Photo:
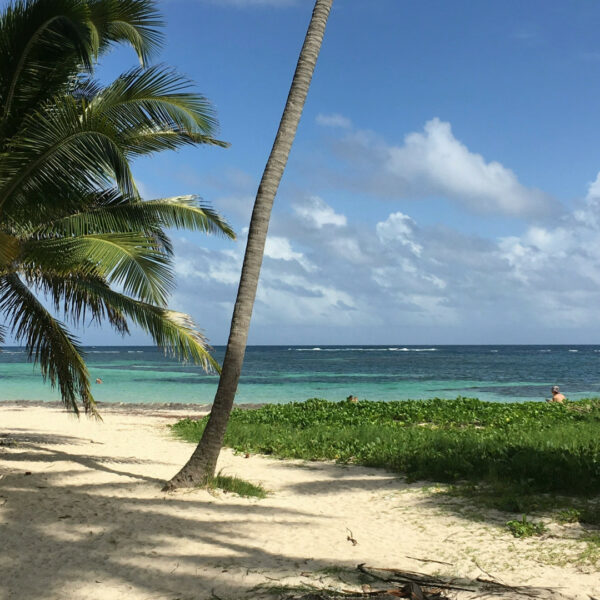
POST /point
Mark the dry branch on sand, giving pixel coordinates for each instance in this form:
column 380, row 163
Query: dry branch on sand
column 395, row 583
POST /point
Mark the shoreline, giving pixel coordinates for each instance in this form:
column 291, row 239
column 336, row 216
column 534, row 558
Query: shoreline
column 126, row 407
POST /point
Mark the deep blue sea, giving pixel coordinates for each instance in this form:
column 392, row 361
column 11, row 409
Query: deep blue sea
column 286, row 373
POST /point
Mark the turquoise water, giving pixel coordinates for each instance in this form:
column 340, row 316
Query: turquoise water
column 287, row 373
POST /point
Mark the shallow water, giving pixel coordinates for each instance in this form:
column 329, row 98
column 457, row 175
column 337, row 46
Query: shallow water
column 286, row 373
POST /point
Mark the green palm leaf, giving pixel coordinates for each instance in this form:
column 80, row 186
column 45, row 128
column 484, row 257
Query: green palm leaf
column 61, row 143
column 35, row 40
column 74, row 301
column 180, row 212
column 44, row 42
column 127, row 259
column 47, row 342
column 174, row 331
column 136, row 22
column 155, row 96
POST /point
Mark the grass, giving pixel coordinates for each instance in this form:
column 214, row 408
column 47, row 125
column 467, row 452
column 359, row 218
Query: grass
column 519, row 498
column 238, row 486
column 531, row 447
column 592, row 552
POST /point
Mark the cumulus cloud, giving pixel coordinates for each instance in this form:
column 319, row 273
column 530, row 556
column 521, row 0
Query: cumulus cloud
column 317, row 212
column 280, row 248
column 398, row 228
column 434, row 163
column 398, row 281
column 329, row 276
column 559, row 266
column 333, row 120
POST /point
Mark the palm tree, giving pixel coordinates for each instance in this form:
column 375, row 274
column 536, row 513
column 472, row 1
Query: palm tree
column 201, row 466
column 72, row 224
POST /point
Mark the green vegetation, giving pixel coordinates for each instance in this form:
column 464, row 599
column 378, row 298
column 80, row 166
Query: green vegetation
column 592, row 552
column 74, row 229
column 238, row 486
column 528, row 448
column 525, row 528
column 568, row 515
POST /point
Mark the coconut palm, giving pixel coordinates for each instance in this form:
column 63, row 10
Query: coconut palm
column 202, row 463
column 74, row 232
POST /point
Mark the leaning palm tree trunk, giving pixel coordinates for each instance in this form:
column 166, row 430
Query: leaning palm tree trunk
column 202, row 463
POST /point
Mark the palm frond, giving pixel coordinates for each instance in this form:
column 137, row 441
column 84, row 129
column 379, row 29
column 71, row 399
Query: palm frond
column 48, row 343
column 60, row 144
column 136, row 22
column 156, row 96
column 179, row 212
column 73, row 301
column 130, row 260
column 9, row 250
column 142, row 141
column 174, row 331
column 154, row 110
column 44, row 44
column 41, row 44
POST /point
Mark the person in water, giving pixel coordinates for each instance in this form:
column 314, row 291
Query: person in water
column 556, row 395
column 99, row 380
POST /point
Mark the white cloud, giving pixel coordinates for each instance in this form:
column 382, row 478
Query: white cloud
column 398, row 228
column 436, row 163
column 333, row 120
column 328, row 277
column 317, row 212
column 279, row 248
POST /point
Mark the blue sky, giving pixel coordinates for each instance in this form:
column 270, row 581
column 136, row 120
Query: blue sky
column 442, row 186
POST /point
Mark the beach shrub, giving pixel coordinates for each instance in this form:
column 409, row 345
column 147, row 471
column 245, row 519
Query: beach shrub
column 525, row 528
column 568, row 515
column 537, row 446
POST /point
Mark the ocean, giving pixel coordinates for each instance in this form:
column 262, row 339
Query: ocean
column 142, row 374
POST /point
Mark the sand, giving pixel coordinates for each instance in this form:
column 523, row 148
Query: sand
column 82, row 516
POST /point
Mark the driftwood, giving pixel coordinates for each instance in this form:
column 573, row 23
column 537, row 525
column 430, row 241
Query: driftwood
column 480, row 586
column 394, row 583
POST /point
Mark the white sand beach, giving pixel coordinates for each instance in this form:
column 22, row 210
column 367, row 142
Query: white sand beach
column 82, row 517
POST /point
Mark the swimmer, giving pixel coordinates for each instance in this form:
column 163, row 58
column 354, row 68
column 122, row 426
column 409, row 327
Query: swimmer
column 556, row 395
column 99, row 380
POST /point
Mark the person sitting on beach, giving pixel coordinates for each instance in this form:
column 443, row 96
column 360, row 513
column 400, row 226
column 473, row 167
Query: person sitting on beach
column 556, row 395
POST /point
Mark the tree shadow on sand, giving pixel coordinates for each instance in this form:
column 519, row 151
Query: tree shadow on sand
column 66, row 534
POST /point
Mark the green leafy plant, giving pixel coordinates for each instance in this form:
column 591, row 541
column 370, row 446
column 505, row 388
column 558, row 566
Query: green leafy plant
column 525, row 528
column 568, row 515
column 545, row 449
